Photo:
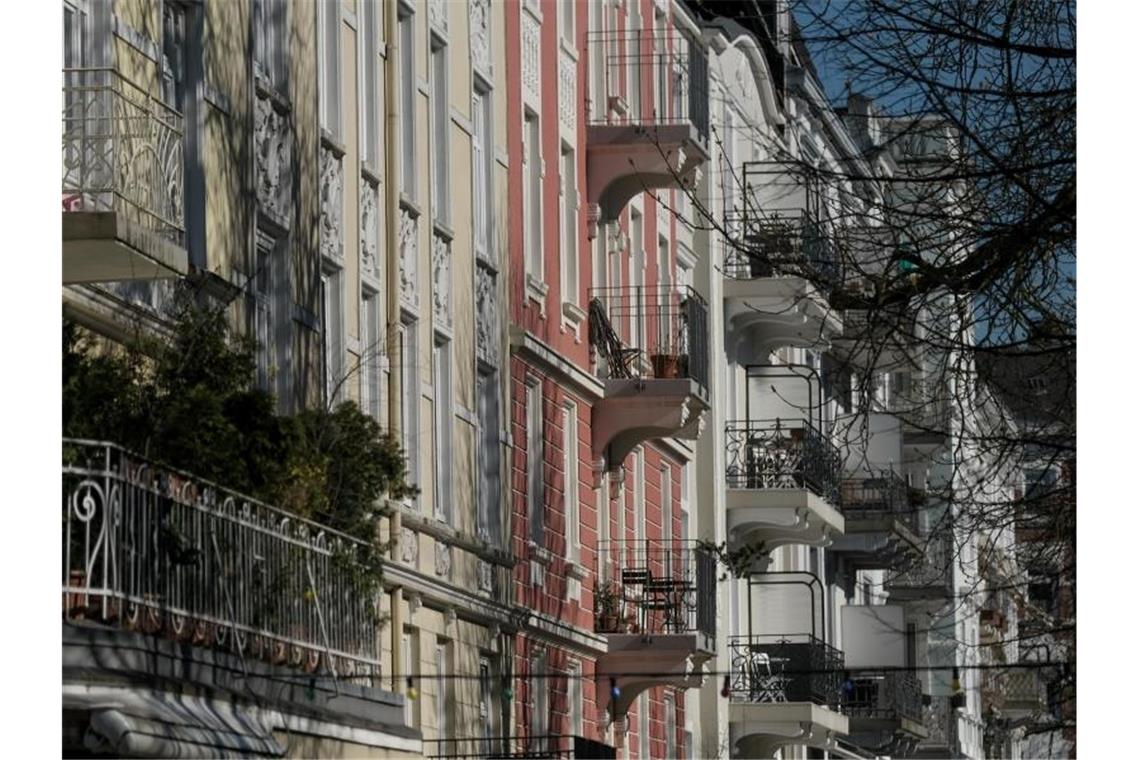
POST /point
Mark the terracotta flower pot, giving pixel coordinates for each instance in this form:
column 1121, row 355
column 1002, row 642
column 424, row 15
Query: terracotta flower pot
column 666, row 365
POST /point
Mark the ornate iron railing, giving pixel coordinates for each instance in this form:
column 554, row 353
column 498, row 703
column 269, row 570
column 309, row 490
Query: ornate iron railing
column 785, row 668
column 153, row 549
column 677, row 67
column 884, row 494
column 653, row 331
column 122, row 152
column 655, row 587
column 893, row 694
column 780, row 243
column 782, row 454
column 558, row 747
column 934, row 573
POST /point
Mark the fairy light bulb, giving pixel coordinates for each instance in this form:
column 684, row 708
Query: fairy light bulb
column 413, row 692
column 726, row 689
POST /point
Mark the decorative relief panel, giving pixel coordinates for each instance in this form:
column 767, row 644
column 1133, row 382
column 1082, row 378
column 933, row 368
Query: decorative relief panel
column 480, row 18
column 486, row 317
column 409, row 546
column 442, row 559
column 273, row 145
column 409, row 235
column 369, row 229
column 437, row 14
column 332, row 204
column 441, row 279
column 530, row 37
column 486, row 576
column 567, row 89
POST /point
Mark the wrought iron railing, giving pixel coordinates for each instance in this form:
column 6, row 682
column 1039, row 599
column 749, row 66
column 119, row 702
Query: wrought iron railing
column 122, row 152
column 891, row 694
column 934, row 573
column 558, row 747
column 940, row 721
column 653, row 331
column 884, row 494
column 156, row 550
column 782, row 454
column 785, row 668
column 655, row 587
column 781, row 243
column 677, row 67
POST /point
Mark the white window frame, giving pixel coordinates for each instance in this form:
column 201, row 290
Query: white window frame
column 539, row 702
column 566, row 21
column 568, row 207
column 410, row 398
column 370, row 63
column 328, row 65
column 482, row 152
column 574, row 697
column 410, row 641
column 670, row 726
column 440, row 119
column 532, row 198
column 639, row 494
column 406, row 27
column 637, row 279
column 442, row 687
column 571, row 505
column 643, row 726
column 332, row 328
column 443, row 428
column 535, row 462
column 371, row 350
column 667, row 504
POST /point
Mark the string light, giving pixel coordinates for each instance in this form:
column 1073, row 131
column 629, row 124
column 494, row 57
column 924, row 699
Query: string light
column 726, row 689
column 412, row 691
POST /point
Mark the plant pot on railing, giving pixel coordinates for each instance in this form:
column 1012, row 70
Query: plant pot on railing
column 666, row 366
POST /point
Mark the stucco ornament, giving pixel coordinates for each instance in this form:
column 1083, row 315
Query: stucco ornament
column 480, row 18
column 369, row 232
column 332, row 204
column 409, row 546
column 271, row 140
column 441, row 279
column 486, row 576
column 408, row 257
column 486, row 319
column 443, row 559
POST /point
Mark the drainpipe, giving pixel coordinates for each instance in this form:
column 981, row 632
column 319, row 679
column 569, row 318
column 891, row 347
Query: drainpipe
column 392, row 199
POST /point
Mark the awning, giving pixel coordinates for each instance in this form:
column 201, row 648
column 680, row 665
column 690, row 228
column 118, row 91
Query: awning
column 128, row 723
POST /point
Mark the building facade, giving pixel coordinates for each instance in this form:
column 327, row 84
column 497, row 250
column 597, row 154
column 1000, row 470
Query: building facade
column 598, row 266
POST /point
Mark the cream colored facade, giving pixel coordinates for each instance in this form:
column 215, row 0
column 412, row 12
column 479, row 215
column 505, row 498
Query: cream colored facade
column 413, row 190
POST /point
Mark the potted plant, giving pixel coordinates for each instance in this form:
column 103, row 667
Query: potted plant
column 667, row 358
column 607, row 607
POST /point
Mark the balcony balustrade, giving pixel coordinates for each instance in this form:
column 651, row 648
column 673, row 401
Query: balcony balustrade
column 123, row 181
column 656, row 603
column 648, row 123
column 781, row 243
column 889, row 695
column 651, row 349
column 151, row 549
column 782, row 477
column 785, row 668
column 881, row 525
column 657, row 588
column 784, row 689
column 931, row 579
column 552, row 747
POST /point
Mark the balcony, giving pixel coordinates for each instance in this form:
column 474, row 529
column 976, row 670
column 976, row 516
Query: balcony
column 650, row 347
column 656, row 602
column 636, row 142
column 554, row 747
column 784, row 689
column 156, row 551
column 931, row 580
column 879, row 339
column 880, row 524
column 884, row 710
column 123, row 184
column 1017, row 692
column 783, row 484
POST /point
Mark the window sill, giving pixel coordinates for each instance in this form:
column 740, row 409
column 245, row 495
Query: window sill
column 330, row 142
column 370, row 174
column 536, row 291
column 409, row 205
column 539, row 554
column 576, row 570
column 440, row 228
column 572, row 316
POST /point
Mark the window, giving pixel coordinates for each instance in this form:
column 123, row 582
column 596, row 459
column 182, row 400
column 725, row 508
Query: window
column 370, row 351
column 639, row 495
column 539, row 703
column 410, row 397
column 328, row 63
column 174, row 56
column 75, row 33
column 260, row 290
column 534, row 461
column 270, row 28
column 488, row 454
column 482, row 171
column 407, row 33
column 369, row 80
column 332, row 331
column 567, row 21
column 574, row 695
column 570, row 470
column 443, row 700
column 442, row 429
column 411, row 643
column 532, row 196
column 667, row 504
column 637, row 277
column 440, row 119
column 685, row 502
column 636, row 61
column 670, row 726
column 569, row 192
column 664, row 270
column 643, row 726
